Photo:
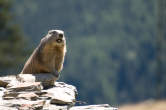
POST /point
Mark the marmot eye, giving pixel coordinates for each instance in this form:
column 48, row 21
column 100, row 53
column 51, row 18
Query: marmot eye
column 53, row 32
column 61, row 35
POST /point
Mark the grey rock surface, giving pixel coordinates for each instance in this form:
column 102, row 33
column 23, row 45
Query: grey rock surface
column 45, row 79
column 31, row 92
column 94, row 107
column 4, row 81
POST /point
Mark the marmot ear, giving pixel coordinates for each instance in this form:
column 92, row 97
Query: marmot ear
column 43, row 39
column 49, row 31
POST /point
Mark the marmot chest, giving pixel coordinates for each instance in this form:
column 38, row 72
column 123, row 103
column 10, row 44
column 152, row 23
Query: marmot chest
column 53, row 59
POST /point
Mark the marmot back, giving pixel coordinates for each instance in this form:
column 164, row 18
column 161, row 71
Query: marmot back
column 48, row 57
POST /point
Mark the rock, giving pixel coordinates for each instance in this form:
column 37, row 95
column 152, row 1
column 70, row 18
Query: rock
column 61, row 94
column 47, row 80
column 32, row 106
column 55, row 107
column 21, row 104
column 61, row 102
column 94, row 107
column 10, row 95
column 4, row 81
column 26, row 86
column 27, row 94
column 7, row 108
column 64, row 95
column 1, row 92
column 22, row 90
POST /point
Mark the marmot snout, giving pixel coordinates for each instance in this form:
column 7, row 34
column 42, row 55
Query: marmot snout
column 48, row 57
column 56, row 37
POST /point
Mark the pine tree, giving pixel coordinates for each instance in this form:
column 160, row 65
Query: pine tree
column 11, row 39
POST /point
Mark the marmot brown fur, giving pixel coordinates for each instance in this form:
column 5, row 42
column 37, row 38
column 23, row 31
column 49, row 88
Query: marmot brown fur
column 48, row 57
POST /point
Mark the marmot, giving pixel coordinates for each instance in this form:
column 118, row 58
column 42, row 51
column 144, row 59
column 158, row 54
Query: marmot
column 48, row 57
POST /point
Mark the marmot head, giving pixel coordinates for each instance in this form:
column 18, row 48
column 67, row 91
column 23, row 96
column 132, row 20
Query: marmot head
column 55, row 38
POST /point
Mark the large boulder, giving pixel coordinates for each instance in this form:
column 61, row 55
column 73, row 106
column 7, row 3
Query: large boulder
column 40, row 92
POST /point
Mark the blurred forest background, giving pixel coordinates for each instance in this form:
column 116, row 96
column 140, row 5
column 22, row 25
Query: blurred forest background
column 116, row 49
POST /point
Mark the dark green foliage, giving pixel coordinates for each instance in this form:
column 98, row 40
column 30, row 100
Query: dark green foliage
column 111, row 55
column 11, row 40
column 161, row 49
